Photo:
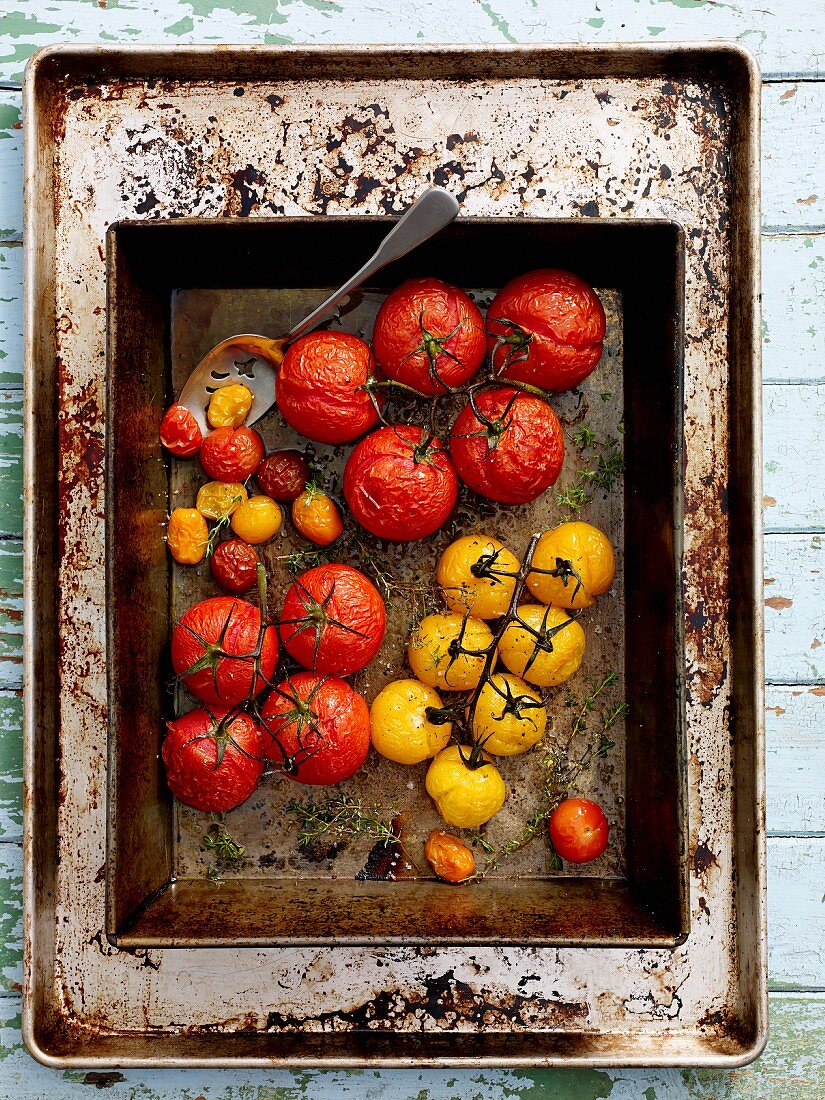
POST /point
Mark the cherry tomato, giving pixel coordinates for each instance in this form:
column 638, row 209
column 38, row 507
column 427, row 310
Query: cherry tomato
column 546, row 328
column 400, row 483
column 320, row 389
column 465, row 797
column 449, row 857
column 229, row 406
column 219, row 499
column 213, row 646
column 316, row 517
column 333, row 620
column 234, row 565
column 258, row 519
column 319, row 728
column 578, row 565
column 429, row 335
column 515, row 454
column 187, row 536
column 578, row 829
column 179, row 432
column 283, row 475
column 231, row 454
column 213, row 761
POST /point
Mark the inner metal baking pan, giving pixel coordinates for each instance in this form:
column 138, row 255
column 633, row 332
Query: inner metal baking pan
column 558, row 132
column 169, row 278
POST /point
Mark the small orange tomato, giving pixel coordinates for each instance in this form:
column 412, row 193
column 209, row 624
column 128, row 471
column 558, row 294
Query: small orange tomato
column 187, row 536
column 449, row 857
column 579, row 830
column 257, row 520
column 317, row 517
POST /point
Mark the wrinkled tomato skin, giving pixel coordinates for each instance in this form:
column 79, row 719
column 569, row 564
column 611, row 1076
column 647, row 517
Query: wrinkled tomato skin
column 567, row 323
column 231, row 454
column 332, row 745
column 190, row 756
column 319, row 388
column 392, row 493
column 579, row 830
column 348, row 597
column 232, row 681
column 180, row 433
column 441, row 309
column 527, row 457
column 234, row 566
column 283, row 475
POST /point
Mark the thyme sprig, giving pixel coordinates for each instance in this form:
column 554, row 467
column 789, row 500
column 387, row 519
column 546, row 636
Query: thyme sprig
column 604, row 474
column 220, row 841
column 345, row 817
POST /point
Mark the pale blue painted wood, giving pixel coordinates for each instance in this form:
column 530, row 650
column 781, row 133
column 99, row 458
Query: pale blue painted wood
column 793, row 289
column 11, row 313
column 793, row 154
column 794, row 457
column 11, row 164
column 795, row 750
column 795, row 608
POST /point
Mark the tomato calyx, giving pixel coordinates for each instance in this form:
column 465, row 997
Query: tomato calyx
column 474, row 760
column 514, row 704
column 317, row 616
column 542, row 636
column 434, row 347
column 484, row 567
column 565, row 572
column 516, row 340
column 302, row 715
column 221, row 734
column 492, row 430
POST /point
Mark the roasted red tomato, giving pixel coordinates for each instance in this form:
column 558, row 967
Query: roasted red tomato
column 213, row 647
column 429, row 335
column 180, row 433
column 514, row 452
column 546, row 328
column 320, row 388
column 333, row 620
column 400, row 483
column 234, row 565
column 319, row 728
column 578, row 829
column 283, row 475
column 231, row 454
column 213, row 761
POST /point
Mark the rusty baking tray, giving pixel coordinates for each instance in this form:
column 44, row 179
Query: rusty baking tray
column 168, row 302
column 554, row 147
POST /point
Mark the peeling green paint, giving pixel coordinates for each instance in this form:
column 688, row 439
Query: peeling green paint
column 260, row 12
column 498, row 21
column 597, row 23
column 563, row 1084
column 183, row 26
column 655, row 31
column 17, row 25
column 9, row 118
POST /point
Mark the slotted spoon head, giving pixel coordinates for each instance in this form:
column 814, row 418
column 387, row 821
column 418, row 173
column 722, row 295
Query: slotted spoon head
column 246, row 358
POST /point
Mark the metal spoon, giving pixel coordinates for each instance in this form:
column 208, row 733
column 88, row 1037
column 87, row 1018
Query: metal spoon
column 253, row 359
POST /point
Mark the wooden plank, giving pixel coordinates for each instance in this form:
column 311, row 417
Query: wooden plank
column 796, row 912
column 11, row 917
column 794, row 609
column 787, row 39
column 11, row 314
column 793, row 155
column 791, row 1068
column 11, row 613
column 794, row 457
column 11, row 463
column 795, row 751
column 11, row 765
column 11, row 164
column 793, row 288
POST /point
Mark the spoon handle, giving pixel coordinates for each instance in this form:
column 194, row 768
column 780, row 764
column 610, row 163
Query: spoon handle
column 428, row 214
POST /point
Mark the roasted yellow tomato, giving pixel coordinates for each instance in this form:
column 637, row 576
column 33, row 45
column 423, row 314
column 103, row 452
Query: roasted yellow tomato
column 219, row 499
column 477, row 574
column 510, row 716
column 229, row 406
column 401, row 730
column 579, row 564
column 187, row 536
column 463, row 796
column 549, row 652
column 317, row 517
column 434, row 653
column 257, row 520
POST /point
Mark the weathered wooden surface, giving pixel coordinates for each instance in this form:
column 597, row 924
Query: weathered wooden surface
column 789, row 39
